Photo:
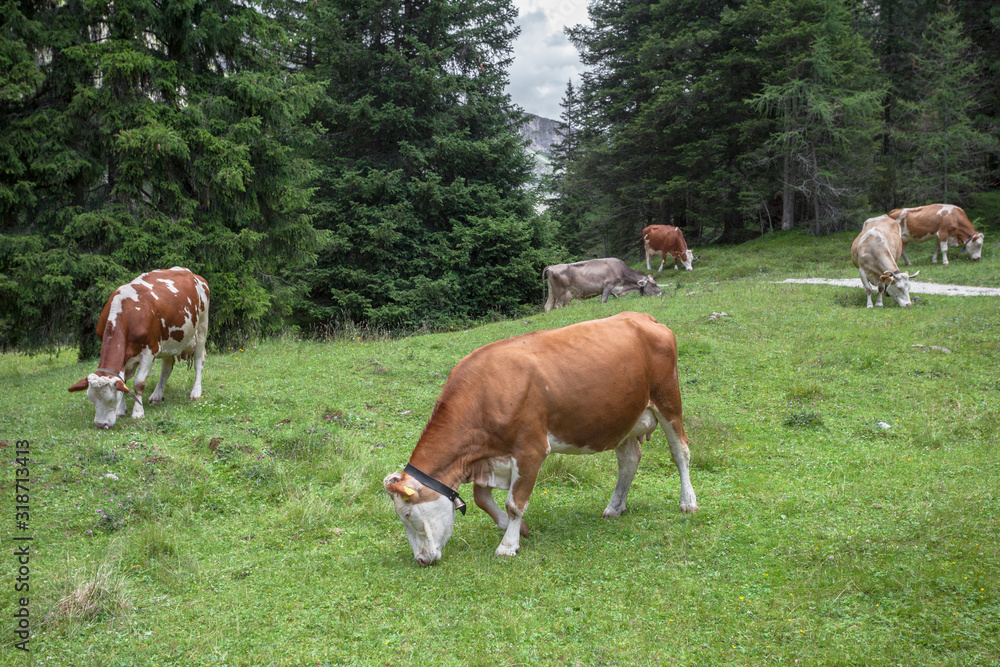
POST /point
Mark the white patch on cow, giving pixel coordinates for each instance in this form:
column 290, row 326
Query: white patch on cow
column 559, row 447
column 174, row 347
column 946, row 209
column 163, row 323
column 124, row 292
column 149, row 286
column 169, row 283
column 502, row 473
column 428, row 525
column 106, row 399
column 686, row 259
column 975, row 246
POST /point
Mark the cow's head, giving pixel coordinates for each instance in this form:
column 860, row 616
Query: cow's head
column 974, row 246
column 897, row 285
column 648, row 287
column 106, row 393
column 686, row 259
column 427, row 516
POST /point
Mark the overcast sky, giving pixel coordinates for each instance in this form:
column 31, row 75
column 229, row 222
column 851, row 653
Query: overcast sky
column 544, row 59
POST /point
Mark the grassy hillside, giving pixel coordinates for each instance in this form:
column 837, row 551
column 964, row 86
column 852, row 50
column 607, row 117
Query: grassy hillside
column 849, row 486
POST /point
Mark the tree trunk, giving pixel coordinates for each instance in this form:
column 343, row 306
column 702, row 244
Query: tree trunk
column 787, row 199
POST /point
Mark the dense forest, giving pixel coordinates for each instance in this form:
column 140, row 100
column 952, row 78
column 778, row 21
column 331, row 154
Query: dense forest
column 358, row 161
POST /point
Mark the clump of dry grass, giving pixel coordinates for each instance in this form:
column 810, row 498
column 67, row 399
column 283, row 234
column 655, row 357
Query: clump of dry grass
column 101, row 595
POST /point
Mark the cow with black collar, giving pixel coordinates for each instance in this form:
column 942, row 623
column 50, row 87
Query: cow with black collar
column 590, row 387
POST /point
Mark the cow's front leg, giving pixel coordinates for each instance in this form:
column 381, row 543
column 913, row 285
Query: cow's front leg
column 905, row 258
column 483, row 496
column 868, row 287
column 629, row 456
column 165, row 369
column 944, row 252
column 139, row 385
column 523, row 482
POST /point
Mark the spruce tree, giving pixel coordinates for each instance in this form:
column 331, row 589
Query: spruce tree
column 825, row 95
column 942, row 151
column 148, row 135
column 424, row 196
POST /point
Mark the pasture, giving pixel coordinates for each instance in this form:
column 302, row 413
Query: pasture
column 848, row 484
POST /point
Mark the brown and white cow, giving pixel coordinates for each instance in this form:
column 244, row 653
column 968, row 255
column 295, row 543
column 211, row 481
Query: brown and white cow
column 666, row 240
column 586, row 388
column 160, row 314
column 609, row 276
column 947, row 222
column 875, row 252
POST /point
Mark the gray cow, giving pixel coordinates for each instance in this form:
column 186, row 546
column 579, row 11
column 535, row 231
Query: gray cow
column 583, row 280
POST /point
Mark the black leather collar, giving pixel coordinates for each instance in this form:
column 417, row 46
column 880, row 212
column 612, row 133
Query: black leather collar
column 446, row 491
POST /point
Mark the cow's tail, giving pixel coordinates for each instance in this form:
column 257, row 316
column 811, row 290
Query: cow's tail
column 545, row 289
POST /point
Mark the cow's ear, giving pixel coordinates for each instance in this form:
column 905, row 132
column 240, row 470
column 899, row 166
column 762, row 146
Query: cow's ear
column 80, row 386
column 120, row 386
column 886, row 278
column 401, row 484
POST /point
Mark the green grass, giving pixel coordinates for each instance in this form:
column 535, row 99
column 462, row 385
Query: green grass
column 849, row 486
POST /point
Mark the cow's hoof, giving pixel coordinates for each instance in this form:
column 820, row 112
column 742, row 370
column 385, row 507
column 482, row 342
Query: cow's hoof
column 687, row 508
column 507, row 551
column 610, row 513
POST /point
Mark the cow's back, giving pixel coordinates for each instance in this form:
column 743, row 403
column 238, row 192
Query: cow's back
column 879, row 238
column 664, row 238
column 159, row 310
column 625, row 359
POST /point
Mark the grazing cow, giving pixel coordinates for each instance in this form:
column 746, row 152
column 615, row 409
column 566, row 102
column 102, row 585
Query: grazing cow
column 875, row 252
column 666, row 240
column 160, row 314
column 581, row 280
column 946, row 222
column 586, row 388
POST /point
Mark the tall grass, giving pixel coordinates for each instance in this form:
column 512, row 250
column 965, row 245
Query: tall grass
column 848, row 485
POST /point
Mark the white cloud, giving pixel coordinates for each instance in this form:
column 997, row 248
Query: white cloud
column 544, row 58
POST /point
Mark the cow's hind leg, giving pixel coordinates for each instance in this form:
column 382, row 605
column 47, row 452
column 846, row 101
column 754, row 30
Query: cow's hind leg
column 199, row 353
column 629, row 456
column 483, row 496
column 905, row 258
column 165, row 369
column 682, row 459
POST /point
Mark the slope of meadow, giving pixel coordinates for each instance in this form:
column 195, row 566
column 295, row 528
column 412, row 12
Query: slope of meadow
column 848, row 480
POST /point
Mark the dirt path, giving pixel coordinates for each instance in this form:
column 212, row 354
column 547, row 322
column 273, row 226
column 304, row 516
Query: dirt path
column 915, row 286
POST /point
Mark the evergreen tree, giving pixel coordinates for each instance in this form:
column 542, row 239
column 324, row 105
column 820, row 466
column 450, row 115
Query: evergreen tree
column 943, row 152
column 424, row 195
column 142, row 135
column 668, row 129
column 825, row 96
column 569, row 200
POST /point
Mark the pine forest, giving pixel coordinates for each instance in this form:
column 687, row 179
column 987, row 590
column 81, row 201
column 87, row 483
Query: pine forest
column 333, row 162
